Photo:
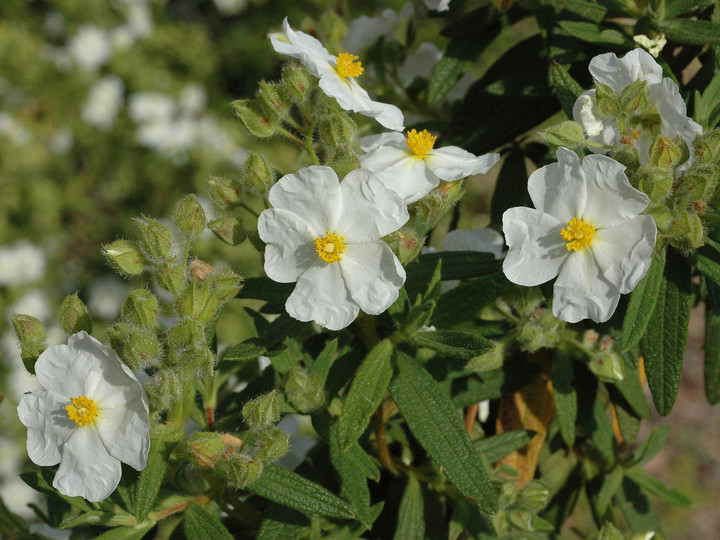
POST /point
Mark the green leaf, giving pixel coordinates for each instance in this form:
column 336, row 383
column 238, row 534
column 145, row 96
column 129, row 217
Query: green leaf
column 612, row 483
column 511, row 186
column 411, row 515
column 652, row 447
column 446, row 74
column 353, row 479
column 566, row 88
column 666, row 337
column 467, row 299
column 152, row 476
column 707, row 260
column 592, row 33
column 637, row 508
column 673, row 8
column 565, row 397
column 264, row 288
column 12, row 525
column 586, row 9
column 365, row 394
column 498, row 446
column 452, row 344
column 322, row 364
column 632, row 390
column 692, row 32
column 593, row 417
column 199, row 524
column 41, row 480
column 283, row 523
column 127, row 533
column 96, row 517
column 659, row 489
column 248, row 350
column 290, row 489
column 437, row 426
column 642, row 303
column 712, row 345
column 456, row 265
column 494, row 384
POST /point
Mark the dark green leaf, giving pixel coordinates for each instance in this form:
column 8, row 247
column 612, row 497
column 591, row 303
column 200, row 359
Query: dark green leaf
column 353, row 479
column 565, row 396
column 593, row 417
column 586, row 9
column 456, row 265
column 127, row 533
column 566, row 88
column 592, row 33
column 290, row 489
column 637, row 508
column 446, row 74
column 452, row 344
column 322, row 364
column 467, row 299
column 41, row 480
column 411, row 518
column 365, row 394
column 152, row 476
column 493, row 384
column 666, row 336
column 12, row 525
column 712, row 345
column 632, row 390
column 673, row 8
column 283, row 523
column 437, row 426
column 249, row 349
column 692, row 32
column 707, row 260
column 498, row 446
column 659, row 489
column 199, row 524
column 612, row 483
column 511, row 186
column 651, row 448
column 264, row 288
column 642, row 303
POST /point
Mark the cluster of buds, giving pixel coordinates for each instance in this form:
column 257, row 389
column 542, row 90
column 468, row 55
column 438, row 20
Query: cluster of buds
column 605, row 362
column 519, row 508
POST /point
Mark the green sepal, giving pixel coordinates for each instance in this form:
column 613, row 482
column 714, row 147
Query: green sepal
column 74, row 315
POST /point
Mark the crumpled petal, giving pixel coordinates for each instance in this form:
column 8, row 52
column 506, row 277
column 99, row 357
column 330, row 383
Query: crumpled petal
column 373, row 275
column 673, row 112
column 484, row 240
column 63, row 370
column 307, row 49
column 290, row 244
column 401, row 172
column 123, row 426
column 353, row 97
column 581, row 291
column 536, row 250
column 619, row 73
column 371, row 210
column 624, row 253
column 86, row 468
column 387, row 139
column 451, row 163
column 322, row 296
column 49, row 426
column 312, row 194
column 559, row 189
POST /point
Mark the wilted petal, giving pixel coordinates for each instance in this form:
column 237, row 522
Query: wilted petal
column 673, row 112
column 290, row 248
column 452, row 163
column 558, row 189
column 44, row 414
column 352, row 97
column 536, row 249
column 373, row 275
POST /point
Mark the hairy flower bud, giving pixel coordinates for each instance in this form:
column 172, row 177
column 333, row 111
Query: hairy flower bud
column 137, row 347
column 296, row 81
column 206, row 448
column 229, row 229
column 304, row 390
column 74, row 315
column 124, row 257
column 272, row 444
column 171, row 277
column 607, row 367
column 568, row 134
column 31, row 334
column 337, row 128
column 272, row 98
column 262, row 412
column 141, row 308
column 242, row 471
column 259, row 173
column 190, row 216
column 199, row 302
column 224, row 192
column 156, row 238
column 255, row 120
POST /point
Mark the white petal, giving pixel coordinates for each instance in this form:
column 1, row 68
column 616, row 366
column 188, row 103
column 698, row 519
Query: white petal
column 624, row 253
column 371, row 210
column 49, row 426
column 86, row 469
column 452, row 163
column 581, row 292
column 124, row 428
column 673, row 112
column 611, row 200
column 312, row 194
column 352, row 97
column 290, row 248
column 404, row 173
column 322, row 296
column 305, row 48
column 558, row 189
column 373, row 275
column 381, row 156
column 535, row 248
column 389, row 138
column 619, row 73
column 62, row 369
column 483, row 240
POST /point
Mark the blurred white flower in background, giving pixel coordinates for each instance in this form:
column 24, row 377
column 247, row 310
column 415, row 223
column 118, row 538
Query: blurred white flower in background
column 230, row 7
column 365, row 31
column 91, row 47
column 104, row 102
column 34, row 302
column 61, row 142
column 106, row 297
column 14, row 130
column 21, row 263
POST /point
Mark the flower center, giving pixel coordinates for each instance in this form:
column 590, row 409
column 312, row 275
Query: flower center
column 578, row 234
column 330, row 248
column 347, row 65
column 82, row 411
column 420, row 143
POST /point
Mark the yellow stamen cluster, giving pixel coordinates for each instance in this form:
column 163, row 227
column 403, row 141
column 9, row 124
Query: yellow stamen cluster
column 347, row 65
column 420, row 143
column 330, row 248
column 578, row 234
column 82, row 411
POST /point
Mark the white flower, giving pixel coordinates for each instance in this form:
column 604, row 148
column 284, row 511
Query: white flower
column 365, row 31
column 34, row 302
column 412, row 167
column 103, row 103
column 587, row 230
column 92, row 415
column 618, row 74
column 21, row 263
column 151, row 106
column 337, row 76
column 419, row 63
column 230, row 7
column 91, row 47
column 107, row 296
column 326, row 235
column 438, row 5
column 192, row 99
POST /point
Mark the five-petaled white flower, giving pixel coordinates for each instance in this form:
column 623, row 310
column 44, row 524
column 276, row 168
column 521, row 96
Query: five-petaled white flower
column 337, row 76
column 92, row 415
column 411, row 167
column 664, row 95
column 326, row 235
column 587, row 230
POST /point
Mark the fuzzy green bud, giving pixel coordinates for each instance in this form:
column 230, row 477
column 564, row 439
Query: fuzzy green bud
column 634, row 98
column 255, row 120
column 486, row 362
column 297, row 82
column 74, row 315
column 534, row 496
column 141, row 308
column 337, row 128
column 124, row 257
column 31, row 335
column 690, row 227
column 608, row 102
column 262, row 412
column 199, row 303
column 190, row 216
column 607, row 367
column 699, row 182
column 229, row 229
column 270, row 95
column 305, row 391
column 171, row 277
column 343, row 159
column 259, row 174
column 540, row 331
column 183, row 334
column 654, row 182
column 272, row 444
column 707, row 147
column 224, row 192
column 156, row 238
column 665, row 154
column 206, row 448
column 406, row 242
column 662, row 215
column 568, row 134
column 628, row 156
column 137, row 347
column 226, row 284
column 242, row 471
column 203, row 361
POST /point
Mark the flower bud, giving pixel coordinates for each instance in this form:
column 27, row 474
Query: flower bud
column 608, row 102
column 171, row 277
column 534, row 496
column 272, row 444
column 488, row 361
column 137, row 347
column 634, row 98
column 183, row 334
column 343, row 159
column 568, row 134
column 259, row 173
column 242, row 471
column 206, row 448
column 226, row 284
column 200, row 270
column 707, row 147
column 271, row 97
column 229, row 229
column 699, row 182
column 124, row 257
column 141, row 308
column 686, row 231
column 665, row 154
column 336, row 129
column 74, row 315
column 190, row 216
column 224, row 192
column 262, row 412
column 607, row 367
column 31, row 334
column 654, row 182
column 540, row 331
column 255, row 120
column 305, row 391
column 156, row 238
column 296, row 81
column 199, row 303
column 406, row 242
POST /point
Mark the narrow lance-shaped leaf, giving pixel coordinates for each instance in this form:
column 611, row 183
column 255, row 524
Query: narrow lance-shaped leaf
column 642, row 303
column 565, row 397
column 566, row 88
column 199, row 524
column 498, row 446
column 438, row 427
column 655, row 486
column 152, row 476
column 637, row 508
column 712, row 343
column 353, row 479
column 411, row 518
